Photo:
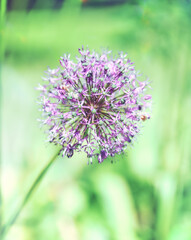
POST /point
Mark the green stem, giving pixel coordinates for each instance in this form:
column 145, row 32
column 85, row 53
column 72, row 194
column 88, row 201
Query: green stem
column 12, row 220
column 3, row 5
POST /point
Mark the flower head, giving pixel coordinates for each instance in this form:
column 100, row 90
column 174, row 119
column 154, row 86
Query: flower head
column 96, row 104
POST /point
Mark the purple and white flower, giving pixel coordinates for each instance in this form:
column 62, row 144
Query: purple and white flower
column 96, row 104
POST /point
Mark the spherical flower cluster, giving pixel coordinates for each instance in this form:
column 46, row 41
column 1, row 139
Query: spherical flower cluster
column 95, row 104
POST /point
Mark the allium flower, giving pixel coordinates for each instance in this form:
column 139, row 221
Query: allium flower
column 95, row 104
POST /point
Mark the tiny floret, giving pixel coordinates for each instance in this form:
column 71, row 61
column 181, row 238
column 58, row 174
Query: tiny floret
column 97, row 104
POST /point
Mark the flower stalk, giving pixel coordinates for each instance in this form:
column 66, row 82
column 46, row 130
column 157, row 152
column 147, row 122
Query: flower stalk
column 28, row 195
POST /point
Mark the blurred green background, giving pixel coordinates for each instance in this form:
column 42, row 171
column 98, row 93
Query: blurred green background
column 146, row 193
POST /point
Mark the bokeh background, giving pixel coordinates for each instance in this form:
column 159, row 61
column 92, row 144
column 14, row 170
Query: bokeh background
column 146, row 193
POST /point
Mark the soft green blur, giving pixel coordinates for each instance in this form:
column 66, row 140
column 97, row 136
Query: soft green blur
column 146, row 193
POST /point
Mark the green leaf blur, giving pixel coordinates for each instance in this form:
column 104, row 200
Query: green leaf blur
column 146, row 193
